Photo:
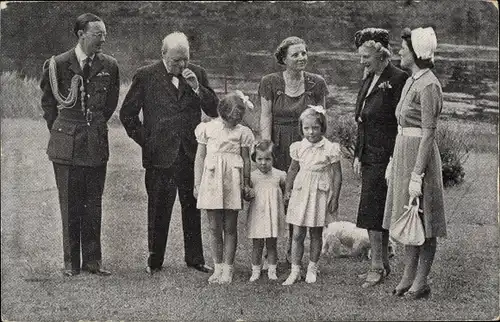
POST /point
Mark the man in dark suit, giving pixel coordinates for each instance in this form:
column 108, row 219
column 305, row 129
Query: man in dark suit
column 171, row 94
column 377, row 129
column 77, row 114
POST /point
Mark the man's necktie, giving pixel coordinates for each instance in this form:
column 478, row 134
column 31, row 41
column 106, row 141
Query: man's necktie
column 86, row 76
column 86, row 68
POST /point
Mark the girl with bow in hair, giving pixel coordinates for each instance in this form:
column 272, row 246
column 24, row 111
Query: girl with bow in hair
column 222, row 178
column 312, row 188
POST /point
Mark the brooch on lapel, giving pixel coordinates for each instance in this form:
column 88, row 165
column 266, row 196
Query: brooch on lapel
column 101, row 74
column 385, row 85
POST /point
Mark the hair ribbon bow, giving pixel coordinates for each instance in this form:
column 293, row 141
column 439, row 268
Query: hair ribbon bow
column 318, row 108
column 246, row 100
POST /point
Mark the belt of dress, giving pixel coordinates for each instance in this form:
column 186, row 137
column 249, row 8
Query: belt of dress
column 410, row 131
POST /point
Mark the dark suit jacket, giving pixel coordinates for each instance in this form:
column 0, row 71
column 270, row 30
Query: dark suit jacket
column 378, row 127
column 170, row 115
column 73, row 141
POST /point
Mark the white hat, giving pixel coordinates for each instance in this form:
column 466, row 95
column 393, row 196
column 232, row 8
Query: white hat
column 424, row 42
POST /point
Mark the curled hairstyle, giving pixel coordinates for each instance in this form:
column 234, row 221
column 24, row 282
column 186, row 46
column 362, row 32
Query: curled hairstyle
column 375, row 38
column 229, row 103
column 263, row 146
column 82, row 22
column 282, row 49
column 319, row 117
column 421, row 63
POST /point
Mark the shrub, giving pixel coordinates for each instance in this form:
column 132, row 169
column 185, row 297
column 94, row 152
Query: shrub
column 454, row 147
column 342, row 129
column 455, row 142
column 20, row 96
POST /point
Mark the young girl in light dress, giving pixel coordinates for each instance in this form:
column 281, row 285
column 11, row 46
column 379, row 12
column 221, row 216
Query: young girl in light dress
column 266, row 214
column 222, row 174
column 312, row 187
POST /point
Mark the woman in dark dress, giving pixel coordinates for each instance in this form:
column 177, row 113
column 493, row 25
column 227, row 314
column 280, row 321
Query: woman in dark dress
column 284, row 96
column 377, row 129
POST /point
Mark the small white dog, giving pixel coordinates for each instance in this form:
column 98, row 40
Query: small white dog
column 344, row 239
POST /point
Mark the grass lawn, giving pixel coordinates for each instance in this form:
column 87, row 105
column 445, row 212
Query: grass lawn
column 464, row 279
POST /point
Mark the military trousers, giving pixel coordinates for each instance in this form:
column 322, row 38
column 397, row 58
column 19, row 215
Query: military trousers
column 80, row 199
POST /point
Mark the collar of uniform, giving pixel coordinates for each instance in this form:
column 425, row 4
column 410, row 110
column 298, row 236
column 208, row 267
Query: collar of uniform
column 81, row 56
column 305, row 143
column 420, row 73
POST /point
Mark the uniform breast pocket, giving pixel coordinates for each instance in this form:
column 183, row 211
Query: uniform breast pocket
column 62, row 141
column 101, row 87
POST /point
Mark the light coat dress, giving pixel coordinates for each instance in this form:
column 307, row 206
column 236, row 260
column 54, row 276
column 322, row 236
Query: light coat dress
column 266, row 214
column 420, row 105
column 221, row 182
column 313, row 185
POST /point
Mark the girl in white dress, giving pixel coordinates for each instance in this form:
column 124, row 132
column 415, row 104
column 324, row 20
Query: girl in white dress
column 316, row 177
column 222, row 173
column 266, row 214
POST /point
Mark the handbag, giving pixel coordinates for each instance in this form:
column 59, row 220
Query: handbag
column 408, row 229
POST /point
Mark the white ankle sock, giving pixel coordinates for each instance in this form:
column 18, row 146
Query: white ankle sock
column 294, row 275
column 255, row 273
column 227, row 274
column 271, row 273
column 214, row 278
column 312, row 270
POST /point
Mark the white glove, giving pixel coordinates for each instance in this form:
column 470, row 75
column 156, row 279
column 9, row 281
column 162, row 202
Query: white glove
column 415, row 186
column 388, row 170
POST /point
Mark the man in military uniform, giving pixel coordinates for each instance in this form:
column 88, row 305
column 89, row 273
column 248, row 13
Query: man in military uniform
column 80, row 93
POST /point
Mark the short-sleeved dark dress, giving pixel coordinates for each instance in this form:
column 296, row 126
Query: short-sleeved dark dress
column 286, row 110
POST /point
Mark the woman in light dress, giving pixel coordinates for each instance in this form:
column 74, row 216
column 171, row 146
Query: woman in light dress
column 415, row 170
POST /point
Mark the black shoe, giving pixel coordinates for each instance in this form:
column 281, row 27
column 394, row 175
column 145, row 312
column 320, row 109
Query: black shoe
column 200, row 267
column 422, row 293
column 400, row 292
column 99, row 271
column 70, row 272
column 152, row 271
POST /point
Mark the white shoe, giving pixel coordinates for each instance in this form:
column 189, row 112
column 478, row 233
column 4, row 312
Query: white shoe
column 271, row 273
column 255, row 273
column 294, row 275
column 312, row 271
column 214, row 278
column 227, row 274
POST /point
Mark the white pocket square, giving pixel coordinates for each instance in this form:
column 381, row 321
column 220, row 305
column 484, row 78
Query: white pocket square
column 101, row 74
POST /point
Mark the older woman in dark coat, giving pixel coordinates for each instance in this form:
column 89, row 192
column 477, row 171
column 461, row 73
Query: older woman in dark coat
column 377, row 129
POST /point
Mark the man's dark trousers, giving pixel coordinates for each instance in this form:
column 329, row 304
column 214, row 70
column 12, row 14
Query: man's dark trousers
column 80, row 198
column 161, row 186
